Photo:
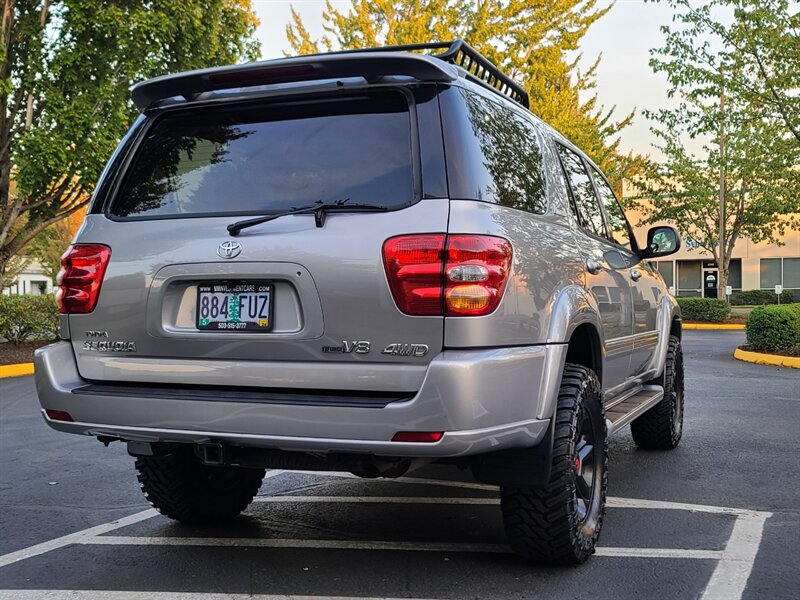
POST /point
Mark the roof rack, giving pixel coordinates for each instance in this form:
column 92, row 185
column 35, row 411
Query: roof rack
column 436, row 67
column 460, row 53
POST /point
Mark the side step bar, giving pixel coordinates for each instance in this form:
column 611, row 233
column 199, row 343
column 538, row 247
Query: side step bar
column 622, row 413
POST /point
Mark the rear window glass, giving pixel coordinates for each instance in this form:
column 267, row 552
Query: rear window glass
column 269, row 158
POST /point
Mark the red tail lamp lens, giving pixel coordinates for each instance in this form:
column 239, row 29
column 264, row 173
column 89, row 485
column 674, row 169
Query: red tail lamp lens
column 82, row 269
column 423, row 437
column 414, row 270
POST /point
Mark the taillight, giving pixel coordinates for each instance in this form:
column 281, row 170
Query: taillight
column 82, row 270
column 475, row 274
column 414, row 269
column 456, row 275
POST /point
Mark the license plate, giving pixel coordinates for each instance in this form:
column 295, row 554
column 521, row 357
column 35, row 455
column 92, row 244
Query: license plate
column 234, row 306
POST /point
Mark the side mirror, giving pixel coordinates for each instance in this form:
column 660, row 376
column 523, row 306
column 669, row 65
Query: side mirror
column 661, row 241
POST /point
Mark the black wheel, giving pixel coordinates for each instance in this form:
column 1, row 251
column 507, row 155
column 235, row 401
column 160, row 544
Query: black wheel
column 184, row 489
column 661, row 427
column 560, row 522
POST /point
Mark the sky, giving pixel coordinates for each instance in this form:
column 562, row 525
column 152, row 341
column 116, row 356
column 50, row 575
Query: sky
column 623, row 38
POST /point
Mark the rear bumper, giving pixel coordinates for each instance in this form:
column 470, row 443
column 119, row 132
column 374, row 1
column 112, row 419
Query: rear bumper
column 483, row 400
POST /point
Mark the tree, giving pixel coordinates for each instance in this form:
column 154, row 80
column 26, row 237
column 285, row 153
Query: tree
column 531, row 40
column 65, row 70
column 50, row 244
column 746, row 180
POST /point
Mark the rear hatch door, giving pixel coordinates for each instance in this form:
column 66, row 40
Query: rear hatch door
column 285, row 304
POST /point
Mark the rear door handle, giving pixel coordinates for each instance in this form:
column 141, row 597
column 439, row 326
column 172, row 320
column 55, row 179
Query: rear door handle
column 636, row 274
column 593, row 265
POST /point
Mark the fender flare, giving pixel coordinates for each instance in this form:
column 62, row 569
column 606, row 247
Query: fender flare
column 574, row 306
column 668, row 310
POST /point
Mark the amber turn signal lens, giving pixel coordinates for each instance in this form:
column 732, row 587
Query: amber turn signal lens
column 468, row 298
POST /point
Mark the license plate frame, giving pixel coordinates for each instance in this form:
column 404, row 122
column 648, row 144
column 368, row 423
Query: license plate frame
column 235, row 288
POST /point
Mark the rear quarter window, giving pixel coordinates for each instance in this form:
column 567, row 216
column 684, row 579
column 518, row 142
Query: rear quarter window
column 257, row 159
column 493, row 153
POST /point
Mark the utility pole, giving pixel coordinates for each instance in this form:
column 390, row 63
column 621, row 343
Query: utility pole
column 722, row 281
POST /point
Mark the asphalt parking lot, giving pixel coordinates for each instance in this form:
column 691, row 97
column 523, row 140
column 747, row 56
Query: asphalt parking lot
column 716, row 518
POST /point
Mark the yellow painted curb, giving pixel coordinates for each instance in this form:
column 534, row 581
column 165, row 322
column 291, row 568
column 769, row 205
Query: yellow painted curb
column 16, row 370
column 737, row 326
column 760, row 358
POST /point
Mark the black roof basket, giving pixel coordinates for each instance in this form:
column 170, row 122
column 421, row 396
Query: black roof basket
column 460, row 53
column 398, row 61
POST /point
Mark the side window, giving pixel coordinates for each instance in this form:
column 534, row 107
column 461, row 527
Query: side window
column 493, row 154
column 616, row 217
column 586, row 204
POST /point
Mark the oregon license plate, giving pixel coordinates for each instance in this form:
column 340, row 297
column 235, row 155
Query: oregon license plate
column 234, row 306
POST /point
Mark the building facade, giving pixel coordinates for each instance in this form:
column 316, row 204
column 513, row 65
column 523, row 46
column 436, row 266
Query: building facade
column 32, row 280
column 692, row 271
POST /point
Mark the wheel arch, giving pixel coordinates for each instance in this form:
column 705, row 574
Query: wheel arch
column 575, row 321
column 585, row 349
column 669, row 323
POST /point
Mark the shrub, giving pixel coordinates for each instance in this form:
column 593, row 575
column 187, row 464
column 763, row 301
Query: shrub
column 760, row 297
column 28, row 318
column 774, row 328
column 711, row 310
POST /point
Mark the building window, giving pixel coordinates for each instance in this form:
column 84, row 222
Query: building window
column 735, row 274
column 667, row 270
column 791, row 273
column 770, row 274
column 690, row 278
column 781, row 271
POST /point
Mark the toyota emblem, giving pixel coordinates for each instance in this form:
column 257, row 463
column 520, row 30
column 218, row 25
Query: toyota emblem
column 229, row 249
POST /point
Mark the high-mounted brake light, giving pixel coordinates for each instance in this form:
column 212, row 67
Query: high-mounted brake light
column 265, row 75
column 80, row 277
column 458, row 275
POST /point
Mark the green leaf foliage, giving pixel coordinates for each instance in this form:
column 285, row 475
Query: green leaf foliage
column 28, row 318
column 754, row 297
column 735, row 67
column 65, row 71
column 706, row 310
column 536, row 43
column 774, row 328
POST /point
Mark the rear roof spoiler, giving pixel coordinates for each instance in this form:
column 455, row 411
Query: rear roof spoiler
column 369, row 63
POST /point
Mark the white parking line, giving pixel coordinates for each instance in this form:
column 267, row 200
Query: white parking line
column 119, row 595
column 455, row 547
column 666, row 505
column 612, row 502
column 79, row 536
column 728, row 582
column 733, row 570
column 75, row 538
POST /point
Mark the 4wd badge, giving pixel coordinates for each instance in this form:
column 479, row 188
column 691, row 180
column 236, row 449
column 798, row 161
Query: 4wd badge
column 406, row 349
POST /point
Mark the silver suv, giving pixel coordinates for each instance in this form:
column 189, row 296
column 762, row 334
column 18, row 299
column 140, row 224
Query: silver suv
column 363, row 261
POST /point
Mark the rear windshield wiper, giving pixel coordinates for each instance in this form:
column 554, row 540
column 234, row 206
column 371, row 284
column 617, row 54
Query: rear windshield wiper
column 319, row 209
